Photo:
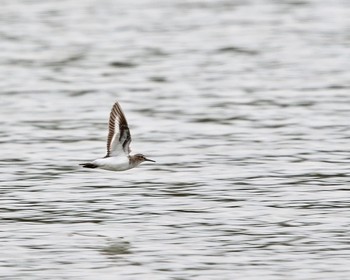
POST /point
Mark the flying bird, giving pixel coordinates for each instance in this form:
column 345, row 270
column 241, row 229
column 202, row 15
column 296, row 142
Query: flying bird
column 118, row 156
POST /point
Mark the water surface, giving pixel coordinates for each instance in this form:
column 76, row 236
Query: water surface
column 244, row 105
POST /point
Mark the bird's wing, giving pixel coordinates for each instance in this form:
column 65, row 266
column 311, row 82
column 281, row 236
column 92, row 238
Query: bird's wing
column 119, row 138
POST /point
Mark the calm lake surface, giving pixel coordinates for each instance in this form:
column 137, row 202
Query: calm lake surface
column 245, row 106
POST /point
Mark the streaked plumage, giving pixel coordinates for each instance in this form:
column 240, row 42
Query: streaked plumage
column 118, row 156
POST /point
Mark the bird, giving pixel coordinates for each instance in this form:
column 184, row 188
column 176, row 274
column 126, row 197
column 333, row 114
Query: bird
column 118, row 156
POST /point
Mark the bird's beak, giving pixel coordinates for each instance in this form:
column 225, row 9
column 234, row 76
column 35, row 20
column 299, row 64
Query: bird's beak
column 146, row 159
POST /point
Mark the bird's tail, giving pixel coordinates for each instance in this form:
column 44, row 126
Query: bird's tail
column 88, row 165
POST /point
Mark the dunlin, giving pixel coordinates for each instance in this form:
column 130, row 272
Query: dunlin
column 118, row 156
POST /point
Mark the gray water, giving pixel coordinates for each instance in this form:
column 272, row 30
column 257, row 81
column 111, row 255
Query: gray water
column 245, row 106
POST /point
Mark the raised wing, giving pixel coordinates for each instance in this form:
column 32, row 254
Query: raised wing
column 119, row 138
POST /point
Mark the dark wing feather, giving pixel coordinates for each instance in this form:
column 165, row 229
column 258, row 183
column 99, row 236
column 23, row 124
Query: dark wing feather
column 119, row 137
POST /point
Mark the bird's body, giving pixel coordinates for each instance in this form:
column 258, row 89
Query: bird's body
column 118, row 156
column 110, row 163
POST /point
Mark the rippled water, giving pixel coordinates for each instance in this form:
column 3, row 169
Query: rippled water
column 244, row 105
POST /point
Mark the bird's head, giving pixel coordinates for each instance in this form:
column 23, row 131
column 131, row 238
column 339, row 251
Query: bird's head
column 139, row 158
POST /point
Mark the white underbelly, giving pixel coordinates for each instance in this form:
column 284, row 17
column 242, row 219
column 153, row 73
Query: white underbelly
column 113, row 163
